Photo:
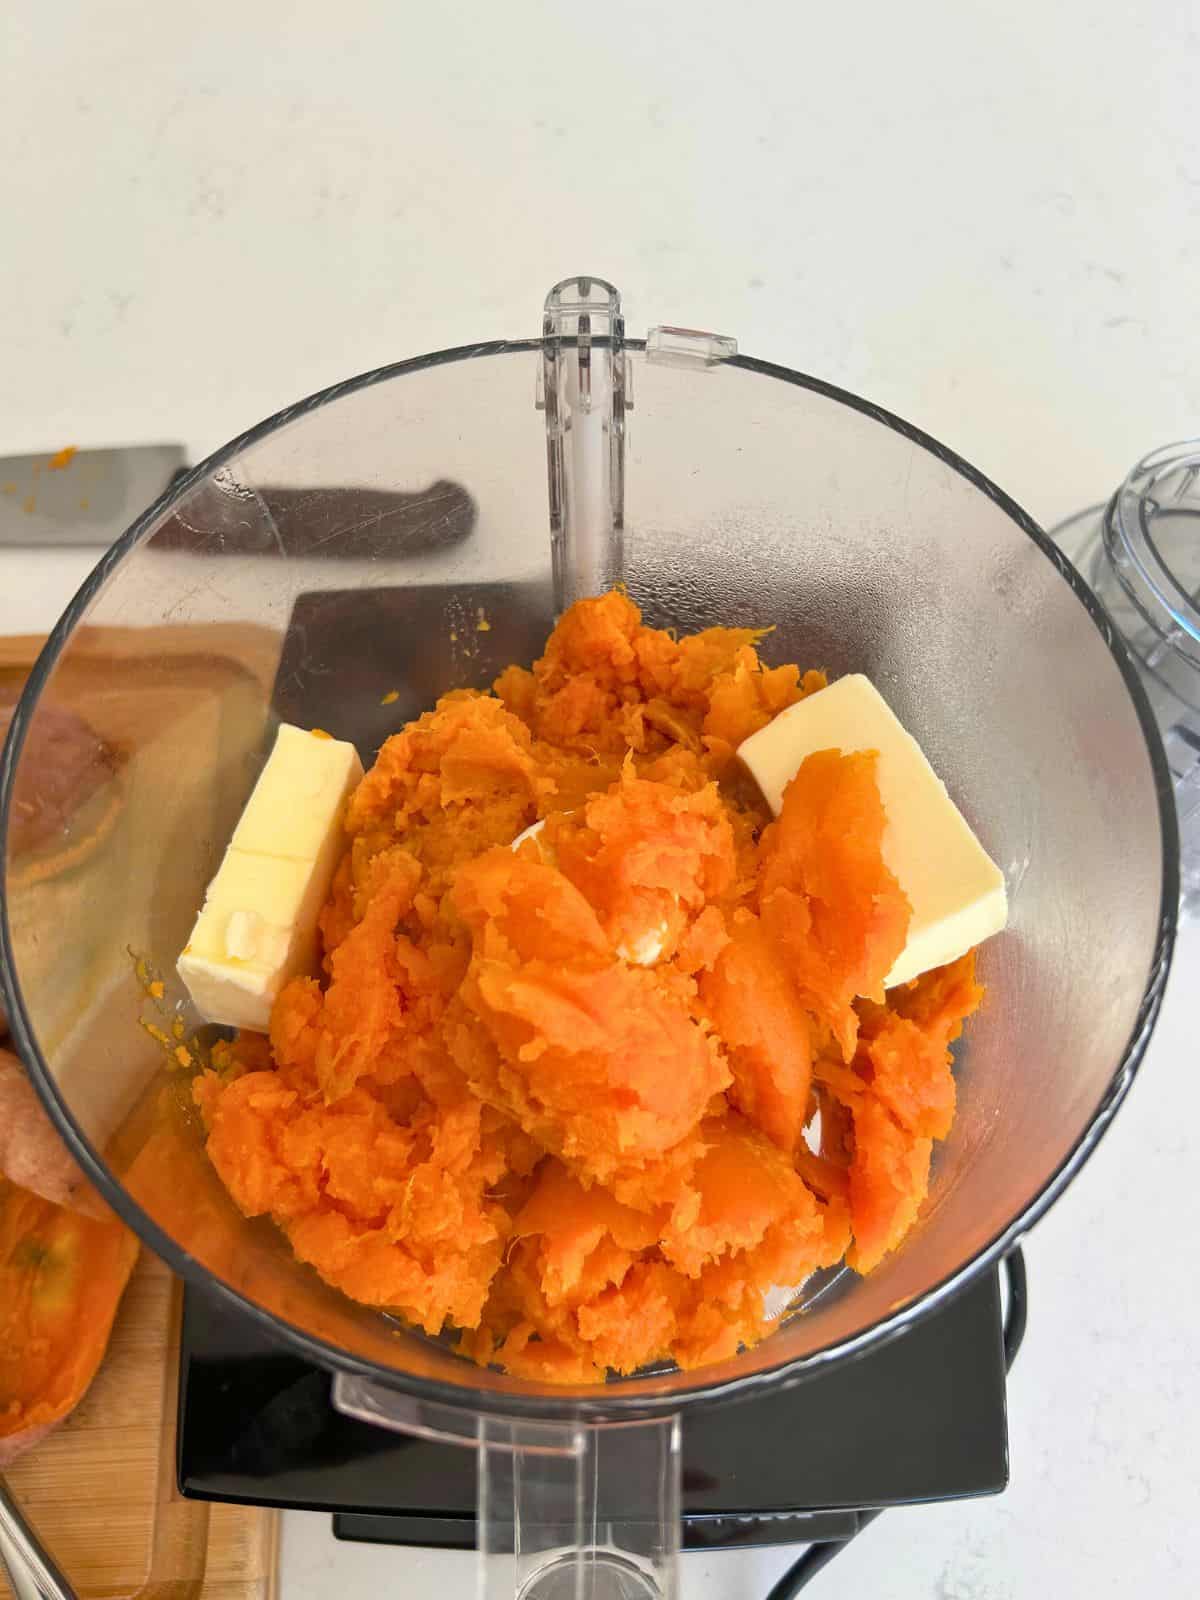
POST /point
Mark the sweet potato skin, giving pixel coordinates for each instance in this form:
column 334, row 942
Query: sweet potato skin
column 31, row 1153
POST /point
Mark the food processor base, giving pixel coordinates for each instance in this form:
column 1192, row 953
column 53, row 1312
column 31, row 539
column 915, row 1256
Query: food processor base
column 922, row 1418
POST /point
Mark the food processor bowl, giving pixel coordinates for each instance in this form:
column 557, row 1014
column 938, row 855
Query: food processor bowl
column 385, row 541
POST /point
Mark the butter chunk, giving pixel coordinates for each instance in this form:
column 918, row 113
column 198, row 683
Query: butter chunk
column 956, row 890
column 298, row 797
column 257, row 928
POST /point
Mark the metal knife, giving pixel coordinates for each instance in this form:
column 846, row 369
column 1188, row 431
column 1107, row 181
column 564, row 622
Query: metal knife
column 80, row 497
column 89, row 497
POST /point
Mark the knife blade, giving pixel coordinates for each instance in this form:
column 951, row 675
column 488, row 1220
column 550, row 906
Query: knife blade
column 89, row 497
column 80, row 497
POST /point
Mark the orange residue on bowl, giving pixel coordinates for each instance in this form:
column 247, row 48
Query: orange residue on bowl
column 62, row 458
column 558, row 1098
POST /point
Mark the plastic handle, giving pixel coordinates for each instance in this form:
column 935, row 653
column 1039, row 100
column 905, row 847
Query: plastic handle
column 568, row 1510
column 584, row 389
column 598, row 1521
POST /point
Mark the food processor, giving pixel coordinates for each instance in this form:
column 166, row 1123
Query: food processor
column 721, row 490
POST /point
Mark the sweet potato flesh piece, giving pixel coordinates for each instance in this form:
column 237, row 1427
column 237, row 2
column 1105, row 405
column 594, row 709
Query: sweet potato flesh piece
column 61, row 1279
column 557, row 1099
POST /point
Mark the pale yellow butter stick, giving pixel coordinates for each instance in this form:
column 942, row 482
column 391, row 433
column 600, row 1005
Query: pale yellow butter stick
column 257, row 928
column 956, row 890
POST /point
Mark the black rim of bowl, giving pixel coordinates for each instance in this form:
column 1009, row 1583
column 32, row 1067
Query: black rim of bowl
column 605, row 1405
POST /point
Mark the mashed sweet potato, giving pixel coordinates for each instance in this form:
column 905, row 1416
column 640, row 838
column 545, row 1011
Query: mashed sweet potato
column 559, row 1099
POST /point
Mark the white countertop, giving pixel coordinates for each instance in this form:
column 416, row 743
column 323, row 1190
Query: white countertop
column 986, row 217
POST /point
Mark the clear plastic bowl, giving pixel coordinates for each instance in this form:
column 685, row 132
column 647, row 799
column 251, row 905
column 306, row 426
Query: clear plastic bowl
column 309, row 567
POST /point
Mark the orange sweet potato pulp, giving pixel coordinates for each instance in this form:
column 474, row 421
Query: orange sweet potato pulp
column 757, row 1012
column 558, row 1098
column 826, row 896
column 600, row 1061
column 61, row 1279
column 900, row 1096
column 645, row 855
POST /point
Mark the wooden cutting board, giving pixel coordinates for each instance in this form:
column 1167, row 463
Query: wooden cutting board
column 100, row 1491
